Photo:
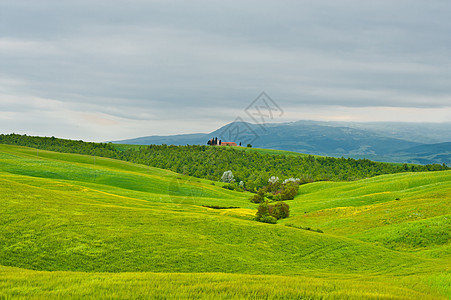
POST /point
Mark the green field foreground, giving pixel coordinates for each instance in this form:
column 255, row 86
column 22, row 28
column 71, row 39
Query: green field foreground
column 20, row 283
column 74, row 226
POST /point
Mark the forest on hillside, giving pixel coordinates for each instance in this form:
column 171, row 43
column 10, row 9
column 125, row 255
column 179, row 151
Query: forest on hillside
column 210, row 162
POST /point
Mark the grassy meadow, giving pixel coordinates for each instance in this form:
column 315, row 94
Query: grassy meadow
column 76, row 226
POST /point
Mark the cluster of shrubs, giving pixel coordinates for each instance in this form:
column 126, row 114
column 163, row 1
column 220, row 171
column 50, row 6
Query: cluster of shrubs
column 231, row 184
column 287, row 192
column 233, row 187
column 268, row 213
column 277, row 191
column 274, row 190
column 259, row 197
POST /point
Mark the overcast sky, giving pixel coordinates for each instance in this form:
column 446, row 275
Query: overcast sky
column 106, row 70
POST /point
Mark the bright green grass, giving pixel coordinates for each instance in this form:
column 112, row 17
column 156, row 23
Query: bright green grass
column 408, row 212
column 69, row 230
column 26, row 284
column 419, row 234
column 115, row 176
column 67, row 214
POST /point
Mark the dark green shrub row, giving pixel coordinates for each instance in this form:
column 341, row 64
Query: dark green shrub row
column 233, row 187
column 304, row 228
column 220, row 207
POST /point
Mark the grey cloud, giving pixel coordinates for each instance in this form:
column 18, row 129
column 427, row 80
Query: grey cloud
column 157, row 59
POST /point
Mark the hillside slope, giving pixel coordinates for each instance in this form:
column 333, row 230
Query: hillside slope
column 408, row 212
column 72, row 213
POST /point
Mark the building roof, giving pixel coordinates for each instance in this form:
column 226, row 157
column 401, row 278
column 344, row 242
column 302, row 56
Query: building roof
column 228, row 144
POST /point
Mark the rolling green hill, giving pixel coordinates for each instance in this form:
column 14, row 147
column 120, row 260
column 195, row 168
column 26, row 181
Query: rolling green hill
column 82, row 226
column 409, row 212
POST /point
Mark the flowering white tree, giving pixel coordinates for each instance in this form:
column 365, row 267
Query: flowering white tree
column 241, row 184
column 227, row 177
column 273, row 179
column 295, row 180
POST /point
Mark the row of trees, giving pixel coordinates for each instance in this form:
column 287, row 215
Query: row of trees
column 214, row 142
column 61, row 145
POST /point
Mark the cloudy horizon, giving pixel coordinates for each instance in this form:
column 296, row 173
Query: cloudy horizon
column 111, row 70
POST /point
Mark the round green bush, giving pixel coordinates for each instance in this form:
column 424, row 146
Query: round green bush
column 268, row 219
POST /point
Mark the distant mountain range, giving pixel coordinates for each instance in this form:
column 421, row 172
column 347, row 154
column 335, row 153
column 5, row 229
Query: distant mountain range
column 394, row 142
column 425, row 154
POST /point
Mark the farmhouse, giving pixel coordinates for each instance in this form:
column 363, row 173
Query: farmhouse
column 215, row 142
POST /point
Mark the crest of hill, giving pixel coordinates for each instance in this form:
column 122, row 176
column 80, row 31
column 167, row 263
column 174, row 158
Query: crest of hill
column 377, row 141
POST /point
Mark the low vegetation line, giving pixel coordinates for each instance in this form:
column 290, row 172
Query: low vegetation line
column 304, row 228
column 220, row 207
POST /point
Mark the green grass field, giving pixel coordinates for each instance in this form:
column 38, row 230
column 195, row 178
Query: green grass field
column 74, row 226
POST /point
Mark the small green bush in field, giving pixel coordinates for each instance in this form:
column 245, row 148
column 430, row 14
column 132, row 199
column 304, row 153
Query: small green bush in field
column 259, row 197
column 289, row 191
column 262, row 211
column 281, row 210
column 278, row 211
column 277, row 191
column 233, row 187
column 268, row 219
